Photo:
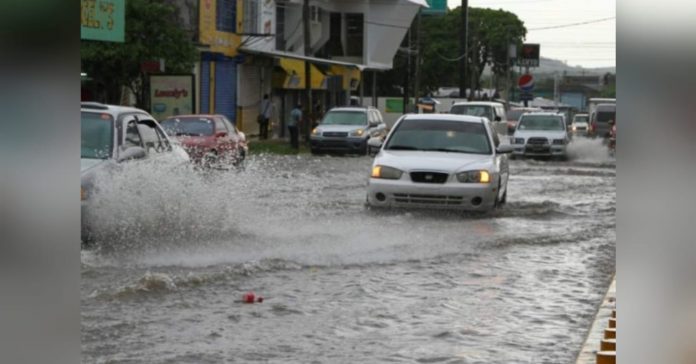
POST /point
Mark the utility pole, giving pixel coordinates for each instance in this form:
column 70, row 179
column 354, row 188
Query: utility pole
column 407, row 74
column 416, row 87
column 463, row 30
column 308, row 68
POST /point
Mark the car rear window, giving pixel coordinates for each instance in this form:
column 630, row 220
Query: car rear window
column 581, row 119
column 192, row 126
column 345, row 118
column 474, row 110
column 440, row 135
column 541, row 122
column 605, row 116
column 97, row 135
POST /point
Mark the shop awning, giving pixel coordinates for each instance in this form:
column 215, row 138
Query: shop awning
column 279, row 54
column 351, row 76
column 294, row 75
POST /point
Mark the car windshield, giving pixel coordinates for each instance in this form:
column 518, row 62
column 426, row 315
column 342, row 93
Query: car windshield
column 539, row 122
column 97, row 135
column 474, row 110
column 440, row 136
column 192, row 126
column 345, row 118
column 581, row 119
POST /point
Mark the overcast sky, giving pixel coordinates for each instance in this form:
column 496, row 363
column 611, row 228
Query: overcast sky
column 590, row 45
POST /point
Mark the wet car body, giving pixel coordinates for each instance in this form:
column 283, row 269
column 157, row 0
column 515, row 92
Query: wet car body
column 112, row 135
column 530, row 141
column 580, row 125
column 437, row 176
column 210, row 140
column 347, row 129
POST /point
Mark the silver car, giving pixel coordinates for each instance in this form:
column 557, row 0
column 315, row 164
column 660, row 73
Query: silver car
column 115, row 134
column 540, row 135
column 347, row 129
column 439, row 161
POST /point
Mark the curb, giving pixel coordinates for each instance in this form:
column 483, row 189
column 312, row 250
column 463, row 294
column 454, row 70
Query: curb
column 600, row 343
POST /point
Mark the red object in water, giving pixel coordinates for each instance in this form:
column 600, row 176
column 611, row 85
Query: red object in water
column 259, row 299
column 249, row 297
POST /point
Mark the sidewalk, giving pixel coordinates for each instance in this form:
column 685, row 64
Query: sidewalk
column 593, row 342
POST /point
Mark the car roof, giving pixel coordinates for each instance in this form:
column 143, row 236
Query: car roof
column 351, row 108
column 195, row 116
column 481, row 103
column 543, row 113
column 109, row 109
column 446, row 117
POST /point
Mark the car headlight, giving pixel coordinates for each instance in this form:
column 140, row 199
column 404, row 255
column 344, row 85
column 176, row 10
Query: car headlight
column 474, row 177
column 559, row 141
column 358, row 132
column 386, row 172
column 83, row 193
column 518, row 141
column 316, row 131
column 575, row 128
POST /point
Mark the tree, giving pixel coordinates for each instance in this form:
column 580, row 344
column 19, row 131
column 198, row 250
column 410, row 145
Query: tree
column 490, row 32
column 152, row 32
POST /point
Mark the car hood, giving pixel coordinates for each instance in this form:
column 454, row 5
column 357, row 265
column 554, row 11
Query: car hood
column 406, row 160
column 549, row 134
column 340, row 128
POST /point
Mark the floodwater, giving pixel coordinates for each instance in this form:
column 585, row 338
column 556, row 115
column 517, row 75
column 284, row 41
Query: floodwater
column 342, row 284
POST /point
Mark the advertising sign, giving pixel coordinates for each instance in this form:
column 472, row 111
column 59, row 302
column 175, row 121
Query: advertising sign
column 526, row 82
column 103, row 20
column 171, row 95
column 529, row 55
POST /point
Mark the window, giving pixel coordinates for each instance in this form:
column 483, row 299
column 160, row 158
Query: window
column 541, row 122
column 189, row 126
column 97, row 135
column 220, row 126
column 345, row 118
column 229, row 125
column 132, row 138
column 226, row 15
column 251, row 16
column 151, row 139
column 354, row 37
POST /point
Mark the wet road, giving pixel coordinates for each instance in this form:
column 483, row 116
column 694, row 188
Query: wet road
column 343, row 284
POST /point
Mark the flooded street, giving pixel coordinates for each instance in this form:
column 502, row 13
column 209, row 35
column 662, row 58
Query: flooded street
column 343, row 284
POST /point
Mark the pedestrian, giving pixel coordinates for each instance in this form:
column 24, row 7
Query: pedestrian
column 293, row 126
column 264, row 117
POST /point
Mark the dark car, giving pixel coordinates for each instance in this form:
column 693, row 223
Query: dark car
column 602, row 119
column 210, row 140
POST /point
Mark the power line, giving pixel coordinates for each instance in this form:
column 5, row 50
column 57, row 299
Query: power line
column 574, row 24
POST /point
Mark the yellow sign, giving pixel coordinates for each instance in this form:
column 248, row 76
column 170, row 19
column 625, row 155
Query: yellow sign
column 295, row 75
column 351, row 76
column 219, row 41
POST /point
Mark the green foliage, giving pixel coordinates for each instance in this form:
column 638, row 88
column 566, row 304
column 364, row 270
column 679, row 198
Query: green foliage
column 489, row 33
column 153, row 31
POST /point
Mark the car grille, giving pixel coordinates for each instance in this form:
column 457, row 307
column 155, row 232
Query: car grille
column 428, row 199
column 335, row 134
column 580, row 128
column 537, row 141
column 428, row 177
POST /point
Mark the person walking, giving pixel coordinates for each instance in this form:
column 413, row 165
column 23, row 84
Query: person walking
column 265, row 117
column 293, row 126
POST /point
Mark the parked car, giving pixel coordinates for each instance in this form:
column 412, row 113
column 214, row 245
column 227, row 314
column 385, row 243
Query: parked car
column 513, row 116
column 439, row 161
column 541, row 135
column 115, row 134
column 493, row 111
column 602, row 119
column 211, row 140
column 580, row 125
column 347, row 129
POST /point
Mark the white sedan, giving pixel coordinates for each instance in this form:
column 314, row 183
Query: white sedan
column 439, row 161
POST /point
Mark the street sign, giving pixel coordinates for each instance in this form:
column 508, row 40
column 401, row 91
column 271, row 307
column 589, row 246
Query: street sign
column 526, row 82
column 529, row 55
column 437, row 7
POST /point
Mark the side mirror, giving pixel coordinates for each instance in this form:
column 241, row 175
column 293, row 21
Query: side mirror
column 504, row 149
column 242, row 135
column 373, row 146
column 221, row 134
column 132, row 153
column 497, row 118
